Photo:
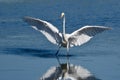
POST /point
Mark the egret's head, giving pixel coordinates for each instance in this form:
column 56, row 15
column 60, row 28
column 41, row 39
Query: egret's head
column 62, row 14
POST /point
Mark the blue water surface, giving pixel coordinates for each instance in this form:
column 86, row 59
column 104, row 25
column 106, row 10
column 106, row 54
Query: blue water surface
column 26, row 54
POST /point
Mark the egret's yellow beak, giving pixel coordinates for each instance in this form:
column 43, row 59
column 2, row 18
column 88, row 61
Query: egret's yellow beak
column 62, row 14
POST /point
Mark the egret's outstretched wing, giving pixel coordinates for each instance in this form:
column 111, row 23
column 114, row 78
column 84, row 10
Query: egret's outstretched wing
column 50, row 31
column 84, row 34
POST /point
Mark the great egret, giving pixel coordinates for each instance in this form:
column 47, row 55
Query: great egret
column 76, row 38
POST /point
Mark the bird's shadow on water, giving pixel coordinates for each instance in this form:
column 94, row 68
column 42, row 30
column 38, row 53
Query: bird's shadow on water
column 43, row 53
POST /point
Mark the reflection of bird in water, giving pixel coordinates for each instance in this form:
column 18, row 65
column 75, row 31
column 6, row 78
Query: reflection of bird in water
column 76, row 38
column 74, row 73
column 67, row 71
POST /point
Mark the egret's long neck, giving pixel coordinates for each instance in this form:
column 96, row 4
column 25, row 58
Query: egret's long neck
column 64, row 24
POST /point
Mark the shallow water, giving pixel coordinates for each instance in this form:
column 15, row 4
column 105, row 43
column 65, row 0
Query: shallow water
column 25, row 54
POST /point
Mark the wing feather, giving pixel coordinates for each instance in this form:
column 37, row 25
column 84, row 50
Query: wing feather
column 46, row 28
column 84, row 34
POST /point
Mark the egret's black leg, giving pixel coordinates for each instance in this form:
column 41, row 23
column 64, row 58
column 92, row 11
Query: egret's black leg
column 58, row 50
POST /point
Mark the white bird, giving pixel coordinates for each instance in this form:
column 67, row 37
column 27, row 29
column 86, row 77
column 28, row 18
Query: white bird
column 76, row 38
